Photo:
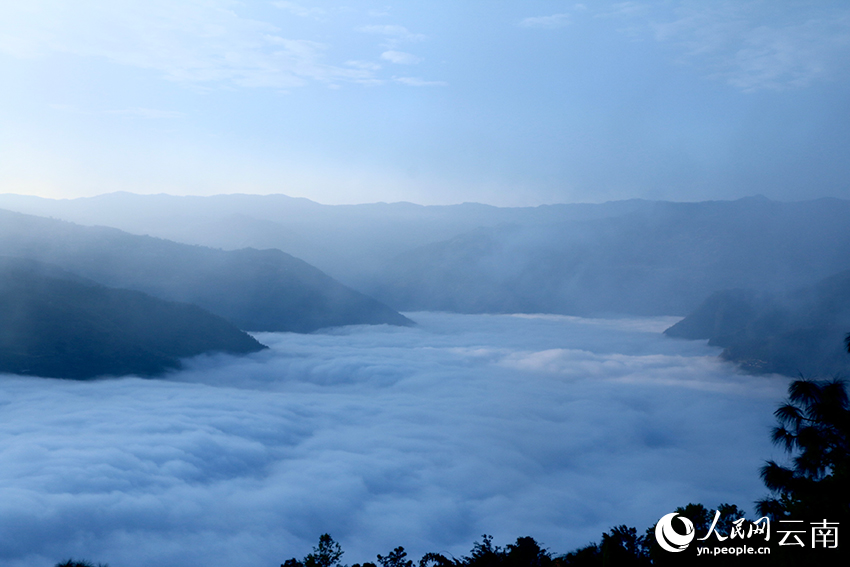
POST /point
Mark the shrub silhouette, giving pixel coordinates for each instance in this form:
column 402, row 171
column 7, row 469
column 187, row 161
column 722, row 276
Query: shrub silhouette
column 83, row 563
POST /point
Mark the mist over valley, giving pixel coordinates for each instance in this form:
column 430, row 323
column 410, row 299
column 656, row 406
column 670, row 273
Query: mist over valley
column 552, row 388
column 437, row 284
column 620, row 258
column 424, row 436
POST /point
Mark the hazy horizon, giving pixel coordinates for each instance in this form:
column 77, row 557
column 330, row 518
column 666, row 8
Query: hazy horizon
column 500, row 103
column 798, row 199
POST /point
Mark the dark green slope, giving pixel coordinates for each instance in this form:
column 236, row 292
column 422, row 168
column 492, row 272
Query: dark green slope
column 258, row 290
column 56, row 324
column 799, row 333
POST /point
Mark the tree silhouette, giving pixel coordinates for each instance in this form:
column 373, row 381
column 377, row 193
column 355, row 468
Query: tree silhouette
column 326, row 554
column 620, row 547
column 432, row 559
column 623, row 547
column 395, row 558
column 526, row 553
column 813, row 426
column 484, row 554
column 587, row 556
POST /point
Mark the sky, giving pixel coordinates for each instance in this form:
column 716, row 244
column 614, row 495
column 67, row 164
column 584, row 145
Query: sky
column 425, row 437
column 438, row 102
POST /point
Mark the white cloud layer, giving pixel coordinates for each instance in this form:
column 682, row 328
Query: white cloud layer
column 186, row 41
column 419, row 82
column 751, row 45
column 147, row 113
column 425, row 437
column 546, row 22
column 394, row 31
column 400, row 57
column 202, row 43
column 299, row 9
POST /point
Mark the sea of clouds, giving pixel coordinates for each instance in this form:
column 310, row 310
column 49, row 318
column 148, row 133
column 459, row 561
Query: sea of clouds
column 425, row 437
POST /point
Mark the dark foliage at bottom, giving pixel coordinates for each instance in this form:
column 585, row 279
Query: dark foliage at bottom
column 73, row 563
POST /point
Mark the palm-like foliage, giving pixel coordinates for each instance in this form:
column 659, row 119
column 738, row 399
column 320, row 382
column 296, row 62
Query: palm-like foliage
column 813, row 427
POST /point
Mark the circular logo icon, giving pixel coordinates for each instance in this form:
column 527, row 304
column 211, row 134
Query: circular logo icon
column 668, row 538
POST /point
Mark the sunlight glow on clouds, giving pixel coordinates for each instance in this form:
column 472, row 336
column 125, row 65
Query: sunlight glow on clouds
column 424, row 437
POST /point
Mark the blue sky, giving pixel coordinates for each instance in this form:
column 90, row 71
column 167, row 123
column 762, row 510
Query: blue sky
column 509, row 103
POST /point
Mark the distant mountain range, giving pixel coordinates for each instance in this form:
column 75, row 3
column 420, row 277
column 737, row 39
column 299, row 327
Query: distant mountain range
column 54, row 323
column 349, row 242
column 799, row 333
column 257, row 290
column 626, row 257
column 661, row 259
column 620, row 258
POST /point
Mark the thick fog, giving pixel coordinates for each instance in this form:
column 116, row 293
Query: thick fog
column 425, row 437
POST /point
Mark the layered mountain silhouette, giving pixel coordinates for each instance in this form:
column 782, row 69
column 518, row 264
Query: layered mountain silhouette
column 56, row 324
column 662, row 259
column 257, row 290
column 797, row 333
column 356, row 244
column 626, row 257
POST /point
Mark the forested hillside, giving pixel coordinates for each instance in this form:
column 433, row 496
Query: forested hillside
column 56, row 324
column 801, row 332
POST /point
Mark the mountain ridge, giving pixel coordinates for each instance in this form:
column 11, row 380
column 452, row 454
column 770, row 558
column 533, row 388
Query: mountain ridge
column 798, row 333
column 57, row 324
column 256, row 290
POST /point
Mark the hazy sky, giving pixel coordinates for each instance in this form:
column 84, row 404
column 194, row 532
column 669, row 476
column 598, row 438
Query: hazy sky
column 433, row 102
column 424, row 437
